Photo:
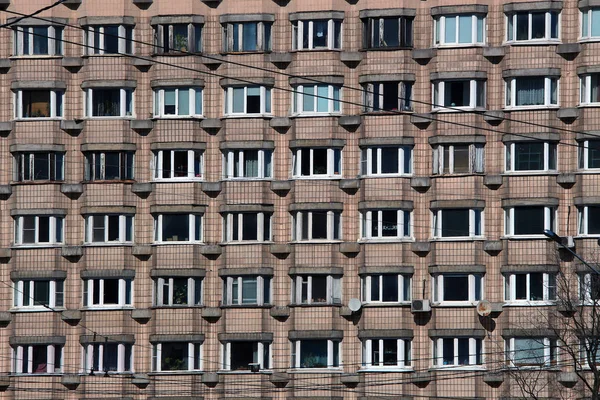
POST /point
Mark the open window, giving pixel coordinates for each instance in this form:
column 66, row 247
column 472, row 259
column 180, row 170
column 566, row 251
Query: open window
column 239, row 355
column 316, row 289
column 176, row 356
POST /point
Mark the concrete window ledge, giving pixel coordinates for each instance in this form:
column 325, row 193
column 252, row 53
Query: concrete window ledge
column 492, row 246
column 141, row 125
column 423, row 55
column 423, row 119
column 493, row 181
column 420, row 182
column 6, row 127
column 141, row 314
column 211, row 250
column 211, row 124
column 71, row 188
column 280, row 312
column 210, row 378
column 72, row 251
column 351, row 58
column 349, row 184
column 5, row 190
column 142, row 250
column 566, row 179
column 211, row 313
column 280, row 248
column 140, row 380
column 70, row 315
column 142, row 63
column 280, row 58
column 280, row 123
column 71, row 381
column 568, row 379
column 4, row 4
column 72, row 126
column 493, row 378
column 72, row 62
column 421, row 247
column 350, row 248
column 350, row 379
column 212, row 187
column 281, row 186
column 142, row 187
column 143, row 2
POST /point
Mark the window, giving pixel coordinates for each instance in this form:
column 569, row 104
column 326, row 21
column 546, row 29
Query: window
column 386, row 224
column 247, row 100
column 457, row 288
column 531, row 352
column 175, row 38
column 529, row 287
column 178, row 164
column 461, row 351
column 318, row 162
column 531, row 91
column 386, row 353
column 317, row 34
column 177, row 228
column 247, row 36
column 589, row 87
column 247, row 227
column 457, row 222
column 531, row 26
column 529, row 220
column 38, row 230
column 178, row 102
column 530, row 156
column 464, row 29
column 316, row 289
column 386, row 288
column 590, row 23
column 247, row 290
column 38, row 294
column 176, row 356
column 589, row 351
column 238, row 355
column 38, row 166
column 108, row 357
column 107, row 293
column 458, row 159
column 38, row 40
column 315, row 353
column 108, row 39
column 177, row 291
column 37, row 359
column 589, row 288
column 108, row 102
column 248, row 164
column 589, row 220
column 109, row 165
column 112, row 228
column 386, row 161
column 387, row 32
column 387, row 96
column 316, row 99
column 589, row 154
column 35, row 104
column 316, row 225
column 458, row 93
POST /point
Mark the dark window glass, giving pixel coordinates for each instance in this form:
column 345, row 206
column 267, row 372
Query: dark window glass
column 390, row 287
column 456, row 288
column 529, row 156
column 529, row 220
column 242, row 354
column 111, row 291
column 174, row 356
column 455, row 223
column 175, row 227
column 319, row 225
column 313, row 354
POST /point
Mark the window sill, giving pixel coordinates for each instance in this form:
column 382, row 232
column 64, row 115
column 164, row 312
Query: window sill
column 243, row 306
column 21, row 375
column 455, row 109
column 122, row 54
column 334, row 370
column 588, row 236
column 107, row 308
column 317, row 241
column 455, row 304
column 533, row 367
column 178, row 307
column 175, row 373
column 588, row 105
column 37, row 246
column 317, row 115
column 387, row 304
column 315, row 305
column 246, row 242
column 459, row 368
column 176, row 53
column 245, row 372
column 109, row 118
column 590, row 39
column 178, row 180
column 248, row 179
column 40, row 119
column 102, row 373
column 316, row 50
column 386, row 112
column 178, row 117
column 524, row 237
column 317, row 177
column 386, row 176
column 385, row 369
column 588, row 171
column 244, row 116
column 532, row 42
column 35, row 309
column 244, row 52
column 175, row 243
column 458, row 239
column 388, row 240
column 459, row 45
column 530, row 173
column 37, row 56
column 105, row 181
column 387, row 48
column 532, row 108
column 457, row 175
column 39, row 182
column 528, row 303
column 107, row 244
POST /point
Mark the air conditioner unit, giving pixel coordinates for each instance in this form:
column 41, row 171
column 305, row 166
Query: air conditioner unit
column 420, row 306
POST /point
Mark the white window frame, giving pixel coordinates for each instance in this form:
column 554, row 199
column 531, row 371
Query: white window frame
column 440, row 30
column 123, row 218
column 509, row 222
column 192, row 282
column 334, row 105
column 373, row 100
column 404, row 286
column 298, row 34
column 475, row 231
column 56, row 228
column 158, row 165
column 229, row 160
column 296, row 347
column 549, row 358
column 404, row 218
column 88, row 289
column 370, row 25
column 367, row 154
column 438, row 94
column 193, row 358
column 547, row 27
column 124, row 93
column 193, row 220
column 510, row 88
column 403, row 346
column 231, row 283
column 264, row 364
column 510, row 158
column 584, row 359
column 476, row 158
column 57, row 104
column 21, row 159
column 21, row 303
column 331, row 167
column 54, row 354
column 159, row 102
column 89, row 38
column 583, row 218
column 55, row 38
column 438, row 352
column 126, row 163
column 473, row 297
column 297, row 222
column 333, row 289
column 585, row 89
column 510, row 289
column 92, row 350
column 265, row 102
column 261, row 235
column 264, row 36
column 192, row 41
column 585, row 287
column 583, row 155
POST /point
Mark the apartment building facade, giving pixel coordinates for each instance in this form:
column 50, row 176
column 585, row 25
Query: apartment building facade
column 193, row 191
